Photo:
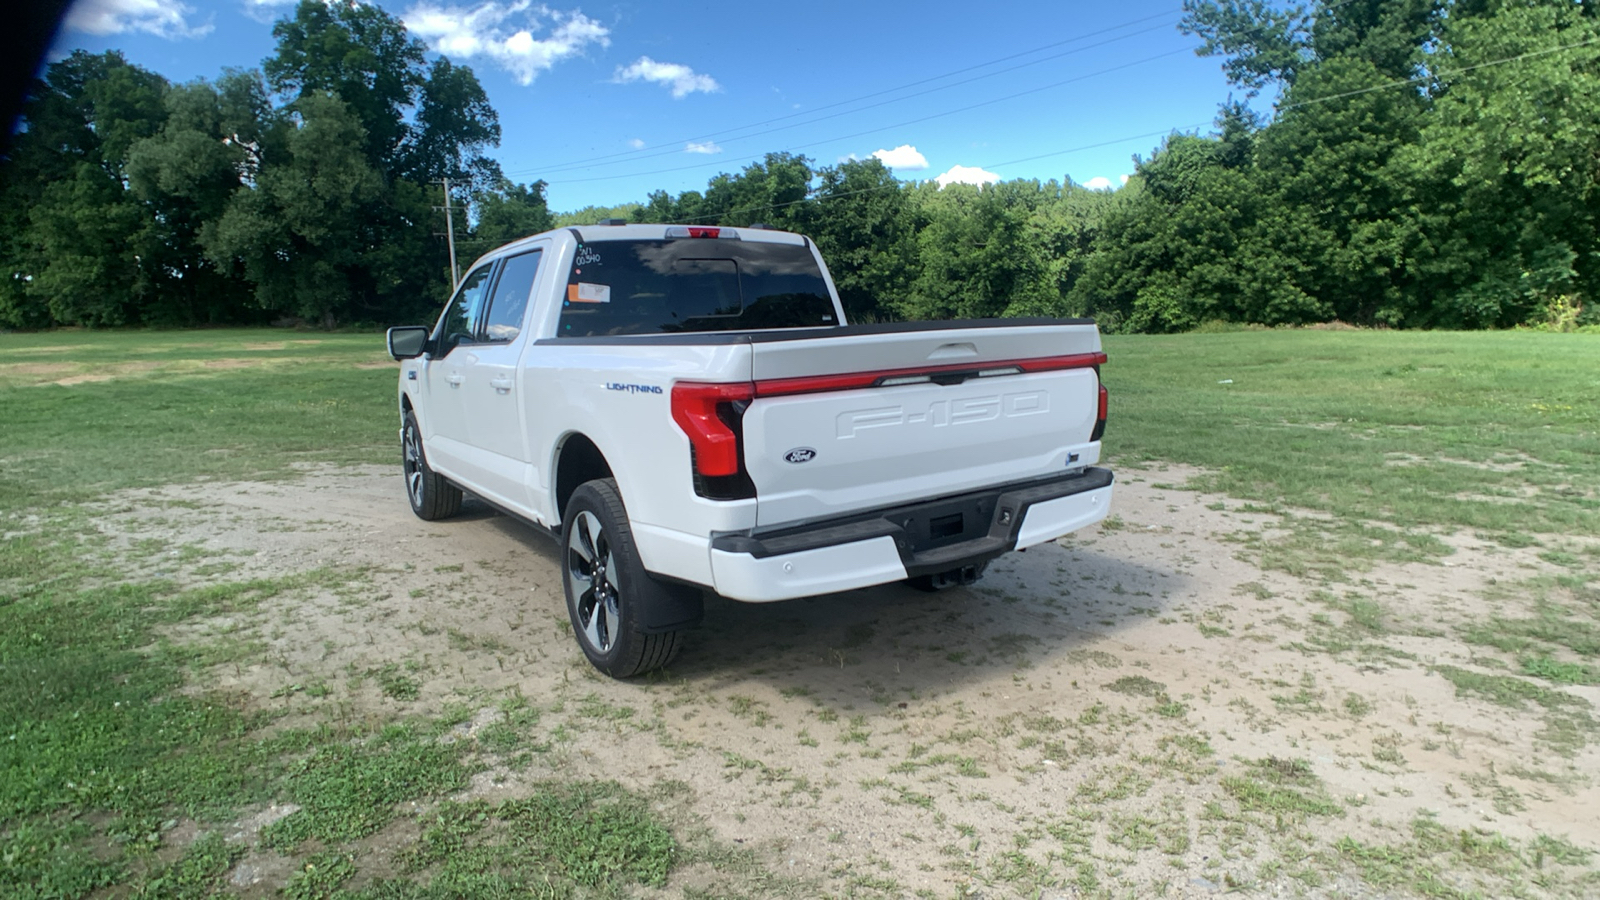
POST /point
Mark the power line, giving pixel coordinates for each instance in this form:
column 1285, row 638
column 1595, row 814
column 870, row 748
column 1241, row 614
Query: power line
column 876, row 129
column 1367, row 90
column 675, row 148
column 899, row 185
column 672, row 148
column 1148, row 134
column 1435, row 76
column 725, row 162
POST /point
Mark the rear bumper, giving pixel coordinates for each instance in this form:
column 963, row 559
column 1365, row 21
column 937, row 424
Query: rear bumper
column 900, row 542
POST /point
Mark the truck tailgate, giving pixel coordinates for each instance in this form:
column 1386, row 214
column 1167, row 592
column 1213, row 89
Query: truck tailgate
column 846, row 423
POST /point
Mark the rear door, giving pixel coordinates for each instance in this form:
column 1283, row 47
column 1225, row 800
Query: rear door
column 851, row 422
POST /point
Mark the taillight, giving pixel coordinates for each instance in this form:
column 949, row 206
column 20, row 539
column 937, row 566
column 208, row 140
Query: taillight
column 700, row 410
column 1100, row 416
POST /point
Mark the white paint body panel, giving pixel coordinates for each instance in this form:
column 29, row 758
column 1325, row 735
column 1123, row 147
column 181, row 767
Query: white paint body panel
column 879, row 447
column 1053, row 518
column 875, row 447
column 807, row 573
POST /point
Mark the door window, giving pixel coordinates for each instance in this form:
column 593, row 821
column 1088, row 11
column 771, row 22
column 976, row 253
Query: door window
column 455, row 326
column 509, row 305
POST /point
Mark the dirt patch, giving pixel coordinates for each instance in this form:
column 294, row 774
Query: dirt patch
column 37, row 368
column 279, row 345
column 142, row 367
column 1127, row 710
column 1497, row 465
column 109, row 373
column 68, row 374
column 60, row 348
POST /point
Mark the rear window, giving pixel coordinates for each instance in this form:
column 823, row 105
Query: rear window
column 692, row 284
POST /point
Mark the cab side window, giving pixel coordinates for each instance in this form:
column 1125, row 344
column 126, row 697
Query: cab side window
column 455, row 326
column 509, row 305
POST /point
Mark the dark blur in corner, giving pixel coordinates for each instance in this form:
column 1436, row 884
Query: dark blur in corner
column 28, row 34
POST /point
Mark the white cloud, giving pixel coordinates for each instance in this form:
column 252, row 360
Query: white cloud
column 265, row 11
column 162, row 18
column 1098, row 183
column 966, row 175
column 682, row 79
column 636, row 143
column 707, row 147
column 1125, row 178
column 488, row 30
column 904, row 156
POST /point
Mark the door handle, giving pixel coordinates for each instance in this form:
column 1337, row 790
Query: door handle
column 454, row 380
column 502, row 384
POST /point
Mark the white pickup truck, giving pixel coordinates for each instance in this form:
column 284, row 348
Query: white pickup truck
column 686, row 409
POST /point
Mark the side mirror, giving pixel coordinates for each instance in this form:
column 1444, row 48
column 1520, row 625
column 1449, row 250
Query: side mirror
column 408, row 341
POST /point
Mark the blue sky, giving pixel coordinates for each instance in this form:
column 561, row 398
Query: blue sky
column 608, row 100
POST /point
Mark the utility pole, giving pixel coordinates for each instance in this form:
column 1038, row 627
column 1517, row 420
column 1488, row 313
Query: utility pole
column 450, row 233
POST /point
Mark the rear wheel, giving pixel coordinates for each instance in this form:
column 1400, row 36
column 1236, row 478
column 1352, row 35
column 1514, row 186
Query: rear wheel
column 431, row 495
column 607, row 586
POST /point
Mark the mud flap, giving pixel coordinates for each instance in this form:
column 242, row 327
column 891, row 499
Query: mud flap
column 666, row 606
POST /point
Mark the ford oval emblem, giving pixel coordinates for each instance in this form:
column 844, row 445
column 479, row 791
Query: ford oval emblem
column 800, row 455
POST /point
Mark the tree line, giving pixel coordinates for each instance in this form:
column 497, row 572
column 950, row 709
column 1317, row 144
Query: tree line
column 301, row 190
column 1427, row 163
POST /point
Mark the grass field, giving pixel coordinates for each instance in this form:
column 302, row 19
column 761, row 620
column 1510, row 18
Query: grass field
column 1413, row 429
column 1371, row 446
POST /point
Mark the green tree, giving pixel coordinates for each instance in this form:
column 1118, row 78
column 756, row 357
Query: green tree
column 972, row 258
column 1330, row 158
column 186, row 174
column 86, row 234
column 78, row 250
column 511, row 212
column 1504, row 175
column 127, row 201
column 363, row 56
column 1059, row 233
column 335, row 233
column 1194, row 238
column 592, row 214
column 455, row 125
column 302, row 234
column 660, row 206
column 1431, row 162
column 769, row 191
column 1263, row 44
column 859, row 217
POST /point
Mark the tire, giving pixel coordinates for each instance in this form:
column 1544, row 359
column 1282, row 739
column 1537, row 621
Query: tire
column 431, row 495
column 607, row 587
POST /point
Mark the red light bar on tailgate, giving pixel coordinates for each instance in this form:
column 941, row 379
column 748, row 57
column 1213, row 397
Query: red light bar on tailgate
column 812, row 384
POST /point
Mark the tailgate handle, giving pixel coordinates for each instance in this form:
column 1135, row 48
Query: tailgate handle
column 959, row 350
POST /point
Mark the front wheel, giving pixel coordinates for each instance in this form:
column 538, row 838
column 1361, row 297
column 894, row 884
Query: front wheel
column 432, row 496
column 607, row 586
